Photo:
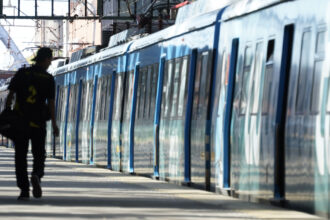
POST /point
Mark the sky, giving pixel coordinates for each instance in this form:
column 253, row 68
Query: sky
column 22, row 31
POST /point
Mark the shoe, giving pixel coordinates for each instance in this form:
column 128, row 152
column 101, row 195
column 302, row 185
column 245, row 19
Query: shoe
column 24, row 196
column 35, row 181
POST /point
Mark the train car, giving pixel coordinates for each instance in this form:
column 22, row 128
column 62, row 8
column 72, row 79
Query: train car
column 80, row 106
column 158, row 97
column 139, row 105
column 272, row 99
column 230, row 98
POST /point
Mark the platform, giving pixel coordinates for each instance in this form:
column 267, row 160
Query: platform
column 77, row 191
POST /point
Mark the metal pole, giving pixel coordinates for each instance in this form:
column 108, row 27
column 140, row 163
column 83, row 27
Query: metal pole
column 36, row 8
column 52, row 8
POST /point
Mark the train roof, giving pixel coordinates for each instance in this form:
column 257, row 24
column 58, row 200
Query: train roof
column 102, row 55
column 244, row 7
column 193, row 24
column 197, row 8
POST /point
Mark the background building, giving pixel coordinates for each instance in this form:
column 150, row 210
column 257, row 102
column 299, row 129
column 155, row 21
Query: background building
column 134, row 17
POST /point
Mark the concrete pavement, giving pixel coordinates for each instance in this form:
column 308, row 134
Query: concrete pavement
column 77, row 191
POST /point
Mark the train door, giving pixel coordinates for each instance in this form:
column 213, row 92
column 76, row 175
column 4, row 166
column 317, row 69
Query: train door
column 101, row 120
column 64, row 143
column 112, row 78
column 78, row 117
column 71, row 124
column 157, row 113
column 60, row 118
column 281, row 112
column 320, row 107
column 198, row 139
column 133, row 96
column 116, row 121
column 164, row 123
column 126, row 119
column 227, row 104
column 143, row 126
column 85, row 124
column 172, row 135
column 92, row 120
column 227, row 61
column 252, row 129
column 82, row 107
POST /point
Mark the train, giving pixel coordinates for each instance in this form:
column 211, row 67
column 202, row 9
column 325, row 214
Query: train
column 232, row 98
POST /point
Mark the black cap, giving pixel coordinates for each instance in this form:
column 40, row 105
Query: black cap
column 43, row 53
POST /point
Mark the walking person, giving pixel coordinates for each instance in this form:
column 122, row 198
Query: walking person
column 34, row 88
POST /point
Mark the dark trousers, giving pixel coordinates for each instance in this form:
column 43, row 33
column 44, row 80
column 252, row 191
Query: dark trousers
column 37, row 137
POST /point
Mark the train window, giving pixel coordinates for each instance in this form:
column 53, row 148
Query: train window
column 143, row 74
column 64, row 101
column 60, row 102
column 116, row 97
column 255, row 87
column 82, row 100
column 138, row 94
column 245, row 79
column 69, row 107
column 224, row 66
column 328, row 101
column 183, row 86
column 303, row 77
column 268, row 77
column 86, row 100
column 317, row 73
column 129, row 93
column 64, row 94
column 71, row 104
column 102, row 98
column 120, row 96
column 315, row 97
column 148, row 90
column 153, row 90
column 197, row 86
column 169, row 83
column 164, row 90
column 98, row 101
column 76, row 101
column 107, row 98
column 103, row 95
column 125, row 95
column 91, row 93
column 176, row 84
column 89, row 98
column 320, row 42
column 126, row 84
column 205, row 83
